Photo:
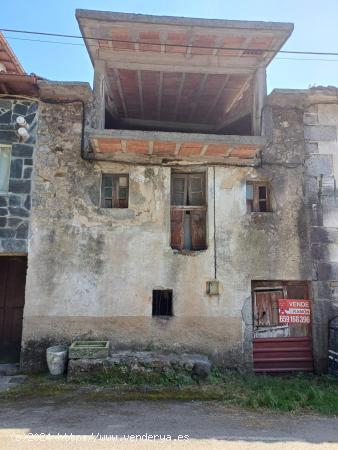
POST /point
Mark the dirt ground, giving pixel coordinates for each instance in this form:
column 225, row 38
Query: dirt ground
column 61, row 423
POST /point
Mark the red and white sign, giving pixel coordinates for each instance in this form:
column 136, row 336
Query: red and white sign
column 294, row 311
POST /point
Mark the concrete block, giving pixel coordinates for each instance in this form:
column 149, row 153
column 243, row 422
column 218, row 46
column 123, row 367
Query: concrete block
column 318, row 165
column 327, row 271
column 310, row 118
column 328, row 148
column 320, row 235
column 328, row 114
column 311, row 147
column 320, row 133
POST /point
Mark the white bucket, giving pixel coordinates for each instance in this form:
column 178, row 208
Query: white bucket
column 57, row 359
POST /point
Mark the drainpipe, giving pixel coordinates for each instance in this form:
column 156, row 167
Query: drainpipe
column 215, row 247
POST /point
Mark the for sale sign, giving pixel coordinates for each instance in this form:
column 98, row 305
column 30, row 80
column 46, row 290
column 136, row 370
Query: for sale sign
column 294, row 311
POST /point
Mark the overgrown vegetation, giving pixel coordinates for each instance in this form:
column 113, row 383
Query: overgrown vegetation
column 298, row 393
column 302, row 393
column 144, row 374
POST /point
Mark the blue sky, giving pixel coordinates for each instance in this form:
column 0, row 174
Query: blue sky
column 315, row 30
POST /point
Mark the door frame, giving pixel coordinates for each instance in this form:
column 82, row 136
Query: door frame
column 22, row 255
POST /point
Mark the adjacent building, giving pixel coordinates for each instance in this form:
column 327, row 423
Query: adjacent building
column 18, row 126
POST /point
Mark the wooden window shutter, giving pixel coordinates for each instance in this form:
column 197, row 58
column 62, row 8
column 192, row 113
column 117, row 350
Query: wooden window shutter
column 198, row 230
column 123, row 190
column 177, row 229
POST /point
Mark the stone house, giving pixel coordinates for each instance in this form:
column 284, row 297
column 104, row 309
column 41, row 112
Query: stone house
column 176, row 206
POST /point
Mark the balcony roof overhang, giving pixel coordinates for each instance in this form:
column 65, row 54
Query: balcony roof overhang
column 18, row 84
column 177, row 70
column 153, row 147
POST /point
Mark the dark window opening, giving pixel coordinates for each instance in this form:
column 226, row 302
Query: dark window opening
column 115, row 191
column 257, row 196
column 188, row 211
column 163, row 302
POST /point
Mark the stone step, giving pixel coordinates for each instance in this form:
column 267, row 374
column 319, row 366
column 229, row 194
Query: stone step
column 9, row 369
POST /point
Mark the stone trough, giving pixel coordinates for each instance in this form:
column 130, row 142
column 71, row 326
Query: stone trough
column 196, row 366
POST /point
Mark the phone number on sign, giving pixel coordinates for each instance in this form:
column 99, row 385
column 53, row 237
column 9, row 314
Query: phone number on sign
column 294, row 319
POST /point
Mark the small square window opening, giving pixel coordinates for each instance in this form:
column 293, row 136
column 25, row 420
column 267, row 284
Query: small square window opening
column 257, row 196
column 115, row 191
column 162, row 302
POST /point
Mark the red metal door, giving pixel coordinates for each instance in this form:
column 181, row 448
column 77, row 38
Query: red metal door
column 12, row 299
column 280, row 347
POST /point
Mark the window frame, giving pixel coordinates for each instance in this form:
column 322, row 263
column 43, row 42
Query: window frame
column 156, row 307
column 178, row 213
column 8, row 148
column 115, row 187
column 253, row 205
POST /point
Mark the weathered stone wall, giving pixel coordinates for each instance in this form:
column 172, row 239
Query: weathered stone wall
column 91, row 271
column 321, row 131
column 16, row 204
column 319, row 110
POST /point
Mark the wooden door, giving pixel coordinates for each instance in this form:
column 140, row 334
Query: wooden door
column 279, row 348
column 12, row 299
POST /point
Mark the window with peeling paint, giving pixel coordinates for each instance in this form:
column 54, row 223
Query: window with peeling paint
column 188, row 211
column 115, row 190
column 257, row 196
column 5, row 166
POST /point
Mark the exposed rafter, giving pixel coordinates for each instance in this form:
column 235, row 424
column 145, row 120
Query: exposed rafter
column 119, row 87
column 179, row 94
column 197, row 96
column 216, row 99
column 140, row 92
column 159, row 96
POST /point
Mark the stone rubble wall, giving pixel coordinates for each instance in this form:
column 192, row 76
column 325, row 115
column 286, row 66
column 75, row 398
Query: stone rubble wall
column 15, row 206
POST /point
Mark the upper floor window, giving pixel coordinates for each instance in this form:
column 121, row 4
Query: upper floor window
column 5, row 166
column 188, row 211
column 115, row 191
column 257, row 196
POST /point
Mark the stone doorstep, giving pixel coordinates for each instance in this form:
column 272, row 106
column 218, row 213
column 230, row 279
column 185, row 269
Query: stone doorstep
column 7, row 382
column 9, row 369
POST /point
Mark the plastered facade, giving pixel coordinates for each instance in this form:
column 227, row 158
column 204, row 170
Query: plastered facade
column 91, row 271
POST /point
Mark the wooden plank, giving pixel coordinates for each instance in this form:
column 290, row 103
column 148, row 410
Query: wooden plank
column 177, row 229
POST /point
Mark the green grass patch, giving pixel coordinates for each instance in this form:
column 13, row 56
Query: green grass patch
column 296, row 394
